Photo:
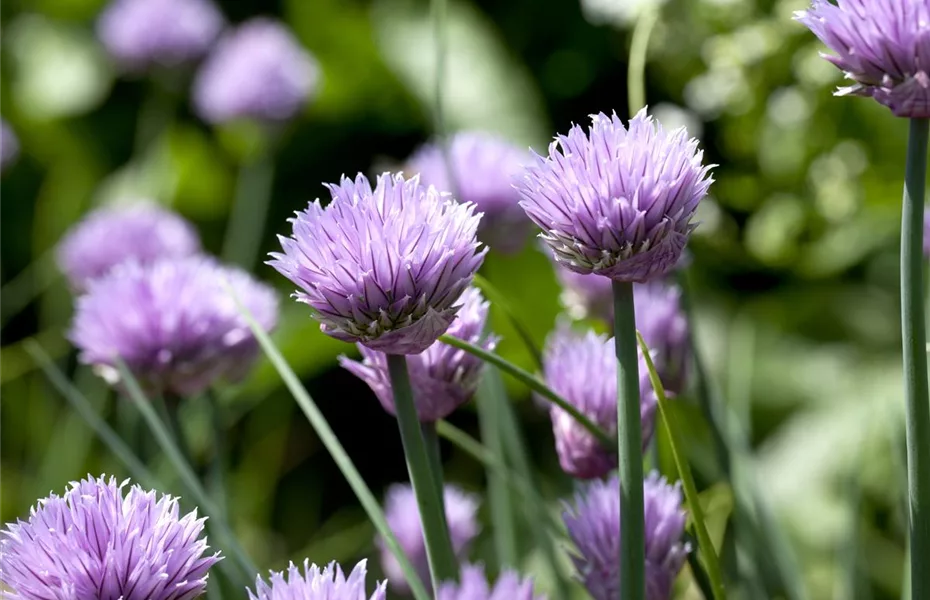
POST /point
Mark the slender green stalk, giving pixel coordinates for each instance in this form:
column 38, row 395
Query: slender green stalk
column 498, row 300
column 27, row 285
column 698, row 573
column 217, row 481
column 639, row 49
column 914, row 334
column 442, row 563
column 250, row 209
column 433, row 454
column 535, row 384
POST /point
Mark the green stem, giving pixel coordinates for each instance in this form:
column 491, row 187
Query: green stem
column 913, row 331
column 246, row 225
column 639, row 49
column 442, row 563
column 27, row 285
column 217, row 482
column 629, row 446
column 431, row 441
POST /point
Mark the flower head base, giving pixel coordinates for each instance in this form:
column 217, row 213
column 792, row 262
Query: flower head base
column 142, row 33
column 582, row 368
column 443, row 377
column 384, row 267
column 617, row 202
column 883, row 47
column 403, row 517
column 259, row 71
column 593, row 524
column 9, row 145
column 483, row 167
column 97, row 542
column 474, row 586
column 314, row 583
column 142, row 232
column 173, row 323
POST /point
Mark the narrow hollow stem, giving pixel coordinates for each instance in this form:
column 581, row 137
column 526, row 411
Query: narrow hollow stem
column 629, row 446
column 442, row 563
column 217, row 478
column 639, row 48
column 246, row 224
column 913, row 331
column 431, row 440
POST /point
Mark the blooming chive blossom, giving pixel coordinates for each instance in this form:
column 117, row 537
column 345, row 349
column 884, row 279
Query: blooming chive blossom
column 383, row 266
column 141, row 33
column 593, row 524
column 614, row 201
column 173, row 323
column 582, row 368
column 443, row 377
column 259, row 71
column 483, row 167
column 9, row 145
column 143, row 232
column 474, row 586
column 314, row 583
column 98, row 542
column 883, row 46
column 403, row 517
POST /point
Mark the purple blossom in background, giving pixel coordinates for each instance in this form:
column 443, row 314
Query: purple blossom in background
column 9, row 145
column 443, row 377
column 483, row 168
column 474, row 586
column 384, row 267
column 582, row 368
column 315, row 583
column 593, row 524
column 173, row 323
column 142, row 231
column 98, row 543
column 403, row 517
column 927, row 234
column 142, row 33
column 662, row 322
column 883, row 46
column 586, row 296
column 617, row 202
column 258, row 71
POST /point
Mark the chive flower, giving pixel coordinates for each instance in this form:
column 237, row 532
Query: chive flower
column 314, row 583
column 474, row 586
column 383, row 266
column 101, row 541
column 9, row 145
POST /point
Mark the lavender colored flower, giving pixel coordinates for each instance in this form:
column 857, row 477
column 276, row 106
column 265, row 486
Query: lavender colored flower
column 142, row 231
column 586, row 296
column 403, row 517
column 173, row 323
column 9, row 145
column 883, row 46
column 593, row 524
column 98, row 542
column 259, row 71
column 582, row 368
column 483, row 167
column 384, row 267
column 617, row 202
column 475, row 586
column 443, row 377
column 663, row 325
column 143, row 33
column 927, row 234
column 315, row 583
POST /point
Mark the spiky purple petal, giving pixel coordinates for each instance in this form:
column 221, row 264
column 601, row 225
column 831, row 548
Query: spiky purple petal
column 314, row 583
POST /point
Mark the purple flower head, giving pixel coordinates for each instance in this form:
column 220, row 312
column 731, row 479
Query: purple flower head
column 315, row 583
column 143, row 232
column 98, row 542
column 582, row 368
column 173, row 323
column 483, row 168
column 384, row 267
column 614, row 201
column 9, row 145
column 593, row 524
column 403, row 517
column 143, row 33
column 443, row 377
column 259, row 71
column 883, row 46
column 474, row 586
column 586, row 296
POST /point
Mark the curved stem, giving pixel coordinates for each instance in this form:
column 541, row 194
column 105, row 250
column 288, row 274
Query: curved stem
column 639, row 48
column 246, row 225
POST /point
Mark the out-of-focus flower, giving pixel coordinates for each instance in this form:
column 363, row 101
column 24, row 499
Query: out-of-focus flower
column 883, row 47
column 314, row 583
column 927, row 234
column 259, row 71
column 173, row 323
column 662, row 322
column 403, row 517
column 474, row 586
column 443, row 377
column 586, row 296
column 143, row 33
column 384, row 267
column 142, row 231
column 9, row 145
column 97, row 542
column 582, row 368
column 617, row 202
column 593, row 524
column 483, row 167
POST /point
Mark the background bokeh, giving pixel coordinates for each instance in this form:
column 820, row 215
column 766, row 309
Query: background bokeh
column 794, row 273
